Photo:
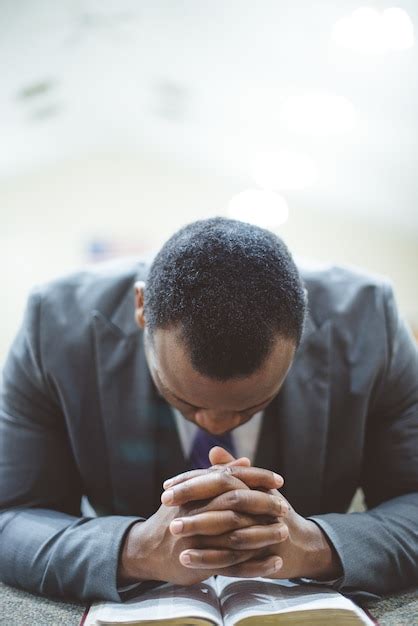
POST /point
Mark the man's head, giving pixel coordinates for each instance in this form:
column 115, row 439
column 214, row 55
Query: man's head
column 223, row 310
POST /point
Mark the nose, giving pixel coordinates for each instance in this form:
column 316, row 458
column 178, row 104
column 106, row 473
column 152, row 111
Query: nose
column 217, row 423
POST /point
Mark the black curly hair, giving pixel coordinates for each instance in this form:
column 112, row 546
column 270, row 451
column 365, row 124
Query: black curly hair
column 231, row 288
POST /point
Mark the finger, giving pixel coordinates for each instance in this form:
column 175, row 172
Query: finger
column 248, row 501
column 250, row 538
column 243, row 461
column 255, row 477
column 220, row 456
column 214, row 523
column 203, row 487
column 181, row 478
column 268, row 567
column 252, row 477
column 213, row 559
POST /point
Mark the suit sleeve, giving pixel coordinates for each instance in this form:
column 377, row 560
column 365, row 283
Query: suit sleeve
column 379, row 548
column 46, row 546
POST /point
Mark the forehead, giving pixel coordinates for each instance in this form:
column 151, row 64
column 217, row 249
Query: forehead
column 175, row 371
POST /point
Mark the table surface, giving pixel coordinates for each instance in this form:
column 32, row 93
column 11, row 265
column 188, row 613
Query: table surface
column 20, row 608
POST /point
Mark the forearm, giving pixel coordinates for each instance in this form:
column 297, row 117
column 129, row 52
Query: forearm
column 378, row 548
column 56, row 554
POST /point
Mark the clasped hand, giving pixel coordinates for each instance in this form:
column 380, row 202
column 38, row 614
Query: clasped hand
column 233, row 515
column 230, row 520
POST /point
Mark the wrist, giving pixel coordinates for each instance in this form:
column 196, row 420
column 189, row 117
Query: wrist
column 321, row 560
column 134, row 562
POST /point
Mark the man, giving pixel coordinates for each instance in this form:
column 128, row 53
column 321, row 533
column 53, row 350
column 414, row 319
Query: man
column 110, row 391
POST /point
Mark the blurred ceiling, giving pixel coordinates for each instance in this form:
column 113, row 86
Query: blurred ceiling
column 199, row 82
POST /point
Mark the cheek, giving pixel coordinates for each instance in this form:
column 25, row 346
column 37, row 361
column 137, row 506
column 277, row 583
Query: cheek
column 245, row 418
column 187, row 412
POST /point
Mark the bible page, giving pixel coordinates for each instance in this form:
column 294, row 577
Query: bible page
column 167, row 602
column 241, row 598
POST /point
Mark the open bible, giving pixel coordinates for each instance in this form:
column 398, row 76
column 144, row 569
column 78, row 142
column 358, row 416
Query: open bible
column 231, row 602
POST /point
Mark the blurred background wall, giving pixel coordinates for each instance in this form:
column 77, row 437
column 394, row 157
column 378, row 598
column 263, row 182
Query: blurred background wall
column 121, row 121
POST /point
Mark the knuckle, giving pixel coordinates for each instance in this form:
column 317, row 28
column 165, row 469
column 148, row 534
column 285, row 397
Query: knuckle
column 233, row 540
column 220, row 478
column 235, row 519
column 217, row 477
column 236, row 540
column 236, row 557
column 227, row 476
column 244, row 497
column 272, row 509
column 284, row 532
column 233, row 497
column 284, row 507
column 279, row 532
column 221, row 474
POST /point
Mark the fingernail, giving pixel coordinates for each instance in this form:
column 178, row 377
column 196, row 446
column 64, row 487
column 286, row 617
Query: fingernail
column 278, row 564
column 167, row 497
column 278, row 478
column 185, row 559
column 177, row 526
column 168, row 482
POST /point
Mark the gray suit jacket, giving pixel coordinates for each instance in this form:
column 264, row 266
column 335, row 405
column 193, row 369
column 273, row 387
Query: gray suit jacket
column 79, row 415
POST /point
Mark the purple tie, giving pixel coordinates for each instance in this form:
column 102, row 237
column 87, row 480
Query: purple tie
column 203, row 442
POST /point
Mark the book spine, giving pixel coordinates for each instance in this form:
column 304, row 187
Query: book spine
column 370, row 616
column 84, row 617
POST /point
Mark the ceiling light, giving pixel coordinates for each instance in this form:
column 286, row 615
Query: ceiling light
column 257, row 206
column 283, row 170
column 398, row 29
column 318, row 113
column 370, row 31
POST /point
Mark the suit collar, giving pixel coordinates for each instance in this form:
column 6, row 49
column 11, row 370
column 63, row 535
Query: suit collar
column 295, row 426
column 143, row 446
column 123, row 318
column 309, row 327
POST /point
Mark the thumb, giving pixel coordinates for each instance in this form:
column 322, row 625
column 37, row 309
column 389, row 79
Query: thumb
column 220, row 456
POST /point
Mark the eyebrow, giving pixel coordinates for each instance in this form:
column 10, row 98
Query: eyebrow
column 201, row 407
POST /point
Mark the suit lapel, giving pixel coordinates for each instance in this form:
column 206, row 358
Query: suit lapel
column 294, row 432
column 170, row 458
column 143, row 446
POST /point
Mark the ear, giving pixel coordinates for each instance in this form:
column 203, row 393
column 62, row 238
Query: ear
column 139, row 303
